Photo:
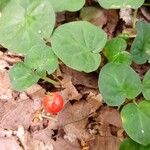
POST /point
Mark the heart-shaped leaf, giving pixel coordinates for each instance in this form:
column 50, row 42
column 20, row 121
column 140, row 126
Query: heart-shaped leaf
column 42, row 58
column 136, row 122
column 146, row 85
column 118, row 82
column 78, row 45
column 23, row 24
column 114, row 50
column 140, row 48
column 116, row 4
column 129, row 144
column 22, row 77
column 70, row 5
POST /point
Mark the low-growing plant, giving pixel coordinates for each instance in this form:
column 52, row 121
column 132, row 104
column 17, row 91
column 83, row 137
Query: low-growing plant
column 27, row 26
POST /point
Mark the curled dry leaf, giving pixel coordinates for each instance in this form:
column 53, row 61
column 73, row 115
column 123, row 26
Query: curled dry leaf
column 145, row 12
column 69, row 92
column 112, row 21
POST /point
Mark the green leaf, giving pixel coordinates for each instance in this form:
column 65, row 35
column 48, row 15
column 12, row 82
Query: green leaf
column 116, row 4
column 140, row 48
column 22, row 77
column 42, row 58
column 118, row 82
column 136, row 122
column 70, row 5
column 146, row 85
column 129, row 144
column 23, row 24
column 3, row 3
column 78, row 45
column 114, row 50
column 123, row 57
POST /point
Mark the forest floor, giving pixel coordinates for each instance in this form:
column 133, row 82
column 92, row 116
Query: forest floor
column 86, row 122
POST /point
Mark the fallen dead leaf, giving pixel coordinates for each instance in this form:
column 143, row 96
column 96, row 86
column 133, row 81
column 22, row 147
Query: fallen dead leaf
column 6, row 92
column 94, row 15
column 3, row 65
column 78, row 78
column 126, row 15
column 45, row 136
column 17, row 113
column 112, row 21
column 105, row 143
column 110, row 116
column 69, row 92
column 9, row 144
column 145, row 12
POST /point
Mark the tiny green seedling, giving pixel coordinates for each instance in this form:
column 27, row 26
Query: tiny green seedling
column 25, row 26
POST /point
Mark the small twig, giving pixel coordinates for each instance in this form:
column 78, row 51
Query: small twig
column 48, row 117
column 51, row 81
column 135, row 103
column 146, row 4
column 134, row 18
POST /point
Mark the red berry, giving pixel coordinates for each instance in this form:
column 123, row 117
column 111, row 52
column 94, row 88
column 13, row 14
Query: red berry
column 53, row 102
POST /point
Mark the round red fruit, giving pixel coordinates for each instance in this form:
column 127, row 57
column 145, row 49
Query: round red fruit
column 53, row 102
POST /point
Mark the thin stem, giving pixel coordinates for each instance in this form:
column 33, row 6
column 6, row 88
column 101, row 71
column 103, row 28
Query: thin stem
column 50, row 81
column 146, row 4
column 134, row 18
column 48, row 117
column 135, row 103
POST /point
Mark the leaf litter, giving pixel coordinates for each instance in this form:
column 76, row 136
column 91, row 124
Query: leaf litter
column 74, row 126
column 85, row 123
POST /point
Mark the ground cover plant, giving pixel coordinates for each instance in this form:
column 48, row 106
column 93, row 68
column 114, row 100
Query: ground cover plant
column 30, row 29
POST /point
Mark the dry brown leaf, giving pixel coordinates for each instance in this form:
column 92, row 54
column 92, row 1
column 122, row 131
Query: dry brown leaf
column 6, row 92
column 18, row 110
column 17, row 113
column 110, row 116
column 102, row 129
column 9, row 59
column 74, row 118
column 94, row 15
column 126, row 15
column 145, row 12
column 105, row 143
column 70, row 92
column 78, row 78
column 36, row 92
column 9, row 144
column 94, row 99
column 45, row 136
column 3, row 65
column 112, row 20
